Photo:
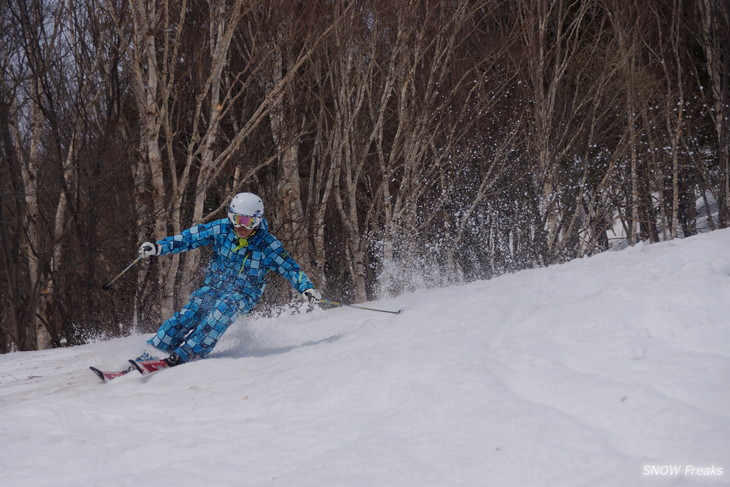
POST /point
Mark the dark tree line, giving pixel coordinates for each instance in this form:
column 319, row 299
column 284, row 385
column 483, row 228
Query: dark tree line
column 396, row 144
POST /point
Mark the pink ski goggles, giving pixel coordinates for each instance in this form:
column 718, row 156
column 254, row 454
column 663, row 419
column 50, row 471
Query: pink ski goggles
column 244, row 220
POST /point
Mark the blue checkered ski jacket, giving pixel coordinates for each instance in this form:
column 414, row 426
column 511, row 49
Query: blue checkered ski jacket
column 239, row 265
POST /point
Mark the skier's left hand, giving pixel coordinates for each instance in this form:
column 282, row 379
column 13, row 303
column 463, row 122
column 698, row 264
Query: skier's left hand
column 312, row 295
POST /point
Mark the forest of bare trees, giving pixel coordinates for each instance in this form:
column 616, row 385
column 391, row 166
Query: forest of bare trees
column 396, row 145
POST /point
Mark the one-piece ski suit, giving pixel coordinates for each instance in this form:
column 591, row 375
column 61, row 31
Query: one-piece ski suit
column 234, row 282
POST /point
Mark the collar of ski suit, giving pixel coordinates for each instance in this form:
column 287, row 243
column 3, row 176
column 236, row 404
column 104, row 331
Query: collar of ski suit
column 243, row 241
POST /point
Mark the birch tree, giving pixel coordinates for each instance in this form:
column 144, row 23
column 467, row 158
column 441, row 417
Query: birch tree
column 181, row 152
column 714, row 37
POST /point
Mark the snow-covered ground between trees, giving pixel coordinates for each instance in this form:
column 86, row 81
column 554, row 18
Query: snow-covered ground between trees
column 608, row 371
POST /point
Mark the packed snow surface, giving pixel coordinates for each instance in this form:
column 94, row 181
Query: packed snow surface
column 608, row 371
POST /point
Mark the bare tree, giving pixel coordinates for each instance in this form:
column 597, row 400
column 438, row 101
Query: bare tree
column 714, row 37
column 397, row 144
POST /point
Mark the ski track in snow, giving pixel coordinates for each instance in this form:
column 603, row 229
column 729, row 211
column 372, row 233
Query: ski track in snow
column 580, row 374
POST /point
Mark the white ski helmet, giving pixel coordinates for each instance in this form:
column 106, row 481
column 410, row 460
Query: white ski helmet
column 246, row 210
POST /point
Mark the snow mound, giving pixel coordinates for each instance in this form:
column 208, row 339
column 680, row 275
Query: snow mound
column 606, row 371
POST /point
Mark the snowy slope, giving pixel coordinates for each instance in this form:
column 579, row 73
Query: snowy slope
column 607, row 371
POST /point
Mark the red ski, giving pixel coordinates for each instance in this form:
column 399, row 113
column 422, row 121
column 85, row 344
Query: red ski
column 107, row 375
column 145, row 364
column 145, row 367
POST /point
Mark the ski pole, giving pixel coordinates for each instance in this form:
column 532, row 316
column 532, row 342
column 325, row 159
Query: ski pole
column 108, row 285
column 337, row 303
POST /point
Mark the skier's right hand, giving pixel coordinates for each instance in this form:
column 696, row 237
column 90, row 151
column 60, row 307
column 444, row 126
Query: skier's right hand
column 148, row 249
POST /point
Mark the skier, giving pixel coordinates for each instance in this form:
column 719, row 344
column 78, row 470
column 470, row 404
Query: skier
column 244, row 252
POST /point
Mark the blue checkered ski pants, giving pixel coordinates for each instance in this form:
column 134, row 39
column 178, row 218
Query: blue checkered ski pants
column 193, row 331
